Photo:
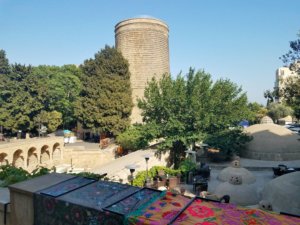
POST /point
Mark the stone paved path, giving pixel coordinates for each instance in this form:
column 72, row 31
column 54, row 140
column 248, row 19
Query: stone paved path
column 117, row 168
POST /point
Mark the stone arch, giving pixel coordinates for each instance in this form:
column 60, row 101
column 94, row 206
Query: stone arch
column 3, row 159
column 45, row 154
column 56, row 153
column 32, row 158
column 18, row 159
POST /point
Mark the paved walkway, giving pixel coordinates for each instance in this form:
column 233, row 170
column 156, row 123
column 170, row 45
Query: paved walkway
column 117, row 168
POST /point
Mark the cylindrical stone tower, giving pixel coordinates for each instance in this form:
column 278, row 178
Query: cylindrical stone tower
column 144, row 42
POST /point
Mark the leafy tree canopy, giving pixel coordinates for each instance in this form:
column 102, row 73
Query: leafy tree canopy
column 4, row 63
column 26, row 91
column 57, row 89
column 278, row 110
column 105, row 102
column 292, row 58
column 291, row 92
column 188, row 109
column 257, row 111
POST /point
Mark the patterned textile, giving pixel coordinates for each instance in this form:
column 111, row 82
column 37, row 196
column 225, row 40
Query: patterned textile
column 51, row 211
column 136, row 201
column 160, row 212
column 67, row 186
column 213, row 213
column 100, row 194
column 83, row 206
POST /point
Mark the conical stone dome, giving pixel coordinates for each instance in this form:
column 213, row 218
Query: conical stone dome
column 284, row 193
column 228, row 172
column 236, row 170
column 240, row 193
column 266, row 119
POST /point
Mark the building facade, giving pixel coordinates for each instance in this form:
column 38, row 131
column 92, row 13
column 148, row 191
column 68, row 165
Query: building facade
column 282, row 76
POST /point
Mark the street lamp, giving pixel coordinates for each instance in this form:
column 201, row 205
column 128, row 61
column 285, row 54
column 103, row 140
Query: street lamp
column 131, row 168
column 147, row 157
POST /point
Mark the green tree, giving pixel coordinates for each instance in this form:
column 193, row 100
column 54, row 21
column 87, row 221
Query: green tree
column 4, row 71
column 49, row 119
column 291, row 92
column 257, row 111
column 4, row 63
column 183, row 111
column 105, row 102
column 26, row 91
column 271, row 96
column 18, row 106
column 56, row 89
column 278, row 110
column 132, row 138
column 292, row 57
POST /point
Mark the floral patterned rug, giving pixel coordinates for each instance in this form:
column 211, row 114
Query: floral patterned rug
column 213, row 213
column 178, row 210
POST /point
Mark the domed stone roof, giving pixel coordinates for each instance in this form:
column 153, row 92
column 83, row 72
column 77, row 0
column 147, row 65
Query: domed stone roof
column 284, row 193
column 286, row 119
column 227, row 173
column 271, row 142
column 266, row 119
column 240, row 193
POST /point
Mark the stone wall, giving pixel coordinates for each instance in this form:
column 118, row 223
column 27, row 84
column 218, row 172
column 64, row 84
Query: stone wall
column 31, row 153
column 48, row 152
column 88, row 159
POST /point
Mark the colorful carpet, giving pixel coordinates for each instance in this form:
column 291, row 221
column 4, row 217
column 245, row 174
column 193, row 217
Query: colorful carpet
column 213, row 213
column 67, row 186
column 167, row 211
column 161, row 211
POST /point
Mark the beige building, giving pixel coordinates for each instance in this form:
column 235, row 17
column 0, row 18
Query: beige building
column 282, row 76
column 144, row 42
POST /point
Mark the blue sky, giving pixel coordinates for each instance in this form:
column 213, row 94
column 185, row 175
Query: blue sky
column 237, row 39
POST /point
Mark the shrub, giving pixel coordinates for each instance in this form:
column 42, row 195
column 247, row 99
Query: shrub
column 39, row 172
column 187, row 165
column 10, row 175
column 140, row 178
column 132, row 139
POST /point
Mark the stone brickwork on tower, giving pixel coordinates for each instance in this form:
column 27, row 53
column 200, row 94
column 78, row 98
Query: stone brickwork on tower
column 144, row 42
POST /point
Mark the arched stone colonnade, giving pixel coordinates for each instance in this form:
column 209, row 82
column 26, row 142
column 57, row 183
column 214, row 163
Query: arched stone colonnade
column 31, row 153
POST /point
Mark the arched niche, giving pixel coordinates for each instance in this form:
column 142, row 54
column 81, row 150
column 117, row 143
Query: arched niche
column 3, row 159
column 32, row 158
column 56, row 153
column 45, row 154
column 18, row 159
